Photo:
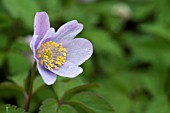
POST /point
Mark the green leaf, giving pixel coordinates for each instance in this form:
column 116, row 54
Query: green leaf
column 159, row 105
column 105, row 47
column 98, row 37
column 2, row 58
column 52, row 7
column 88, row 68
column 5, row 21
column 3, row 40
column 19, row 79
column 17, row 63
column 156, row 87
column 68, row 94
column 10, row 109
column 48, row 106
column 8, row 85
column 66, row 109
column 10, row 92
column 51, row 106
column 93, row 102
column 38, row 83
column 157, row 30
column 21, row 45
column 80, row 107
column 146, row 47
column 74, row 11
column 142, row 11
column 23, row 9
column 63, row 85
column 44, row 92
column 118, row 97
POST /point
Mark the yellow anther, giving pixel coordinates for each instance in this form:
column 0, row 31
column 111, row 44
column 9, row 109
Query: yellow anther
column 38, row 56
column 51, row 61
column 51, row 65
column 55, row 67
column 52, row 55
column 49, row 68
column 56, row 62
column 41, row 62
column 46, row 57
column 57, row 58
column 46, row 64
column 64, row 49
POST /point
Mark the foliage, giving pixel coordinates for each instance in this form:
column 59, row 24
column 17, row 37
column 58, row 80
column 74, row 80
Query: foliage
column 129, row 69
column 10, row 109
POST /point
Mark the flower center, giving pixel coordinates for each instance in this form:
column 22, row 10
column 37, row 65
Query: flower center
column 52, row 55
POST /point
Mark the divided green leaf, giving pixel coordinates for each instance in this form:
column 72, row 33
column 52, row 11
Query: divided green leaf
column 49, row 106
column 10, row 109
column 91, row 102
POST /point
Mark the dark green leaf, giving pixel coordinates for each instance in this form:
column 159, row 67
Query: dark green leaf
column 158, row 105
column 66, row 109
column 52, row 7
column 93, row 102
column 21, row 77
column 8, row 85
column 62, row 85
column 10, row 109
column 24, row 9
column 68, row 94
column 17, row 63
column 2, row 58
column 38, row 83
column 3, row 39
column 48, row 106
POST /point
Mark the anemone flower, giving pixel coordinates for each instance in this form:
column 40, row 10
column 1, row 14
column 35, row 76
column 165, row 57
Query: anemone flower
column 58, row 53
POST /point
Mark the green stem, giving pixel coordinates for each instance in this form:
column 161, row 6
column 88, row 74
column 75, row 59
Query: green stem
column 28, row 96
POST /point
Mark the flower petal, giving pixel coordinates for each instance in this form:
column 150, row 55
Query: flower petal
column 79, row 50
column 32, row 42
column 41, row 24
column 32, row 46
column 68, row 70
column 47, row 76
column 48, row 35
column 68, row 31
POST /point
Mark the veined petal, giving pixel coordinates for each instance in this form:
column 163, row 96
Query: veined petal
column 79, row 50
column 41, row 25
column 49, row 34
column 32, row 46
column 68, row 31
column 47, row 76
column 69, row 70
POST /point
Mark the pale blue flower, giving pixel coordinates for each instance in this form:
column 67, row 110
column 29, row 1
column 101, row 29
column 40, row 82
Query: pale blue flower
column 58, row 53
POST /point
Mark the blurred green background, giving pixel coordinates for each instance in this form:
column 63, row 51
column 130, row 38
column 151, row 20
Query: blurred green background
column 131, row 39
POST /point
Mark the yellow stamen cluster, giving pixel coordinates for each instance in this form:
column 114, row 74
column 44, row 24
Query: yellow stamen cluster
column 52, row 55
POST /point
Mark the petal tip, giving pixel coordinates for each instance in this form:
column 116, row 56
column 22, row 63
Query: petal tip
column 41, row 13
column 80, row 71
column 49, row 83
column 79, row 50
column 48, row 77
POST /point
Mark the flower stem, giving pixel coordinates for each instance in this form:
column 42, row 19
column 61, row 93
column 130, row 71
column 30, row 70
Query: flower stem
column 28, row 96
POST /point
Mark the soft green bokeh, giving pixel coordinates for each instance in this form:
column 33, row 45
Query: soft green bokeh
column 130, row 63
